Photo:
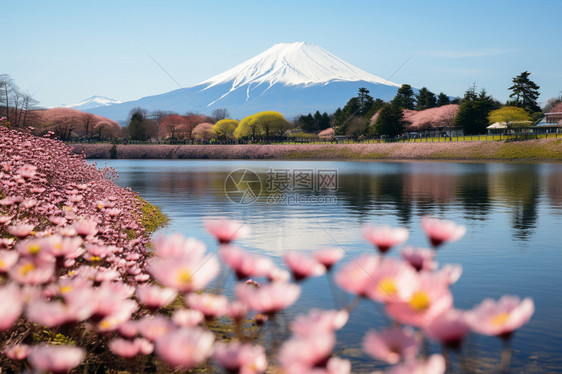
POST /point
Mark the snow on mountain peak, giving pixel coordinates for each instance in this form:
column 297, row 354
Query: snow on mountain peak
column 93, row 102
column 293, row 64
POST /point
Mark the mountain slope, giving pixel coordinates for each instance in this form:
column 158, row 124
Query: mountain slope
column 292, row 78
column 93, row 102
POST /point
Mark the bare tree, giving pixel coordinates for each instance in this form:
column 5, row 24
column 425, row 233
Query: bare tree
column 218, row 114
column 88, row 123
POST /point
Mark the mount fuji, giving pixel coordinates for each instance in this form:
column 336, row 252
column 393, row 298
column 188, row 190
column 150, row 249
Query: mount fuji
column 291, row 78
column 92, row 102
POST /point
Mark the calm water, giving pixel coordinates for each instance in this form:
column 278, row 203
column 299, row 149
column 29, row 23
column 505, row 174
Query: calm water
column 513, row 213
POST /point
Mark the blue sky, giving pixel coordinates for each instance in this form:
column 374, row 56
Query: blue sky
column 65, row 51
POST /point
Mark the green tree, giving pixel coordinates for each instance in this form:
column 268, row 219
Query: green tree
column 306, row 123
column 425, row 99
column 525, row 92
column 472, row 117
column 247, row 128
column 404, row 98
column 390, row 121
column 511, row 116
column 225, row 128
column 139, row 125
column 365, row 101
column 266, row 124
column 443, row 99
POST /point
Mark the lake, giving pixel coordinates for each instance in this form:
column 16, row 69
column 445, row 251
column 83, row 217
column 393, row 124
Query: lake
column 512, row 211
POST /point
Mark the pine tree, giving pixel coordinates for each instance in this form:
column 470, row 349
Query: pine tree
column 425, row 99
column 365, row 101
column 404, row 98
column 525, row 92
column 390, row 121
column 473, row 113
column 443, row 99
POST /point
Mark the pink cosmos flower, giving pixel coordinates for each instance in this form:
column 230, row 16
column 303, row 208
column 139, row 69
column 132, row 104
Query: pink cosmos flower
column 6, row 242
column 17, row 352
column 185, row 274
column 237, row 310
column 185, row 348
column 268, row 298
column 121, row 313
column 154, row 327
column 419, row 258
column 7, row 260
column 212, row 306
column 225, row 230
column 303, row 266
column 11, row 305
column 130, row 348
column 392, row 281
column 391, row 345
column 440, row 231
column 85, row 227
column 278, row 275
column 177, row 245
column 240, row 358
column 329, row 256
column 384, row 237
column 154, row 297
column 55, row 358
column 430, row 299
column 27, row 171
column 28, row 271
column 302, row 353
column 245, row 264
column 435, row 364
column 502, row 317
column 187, row 317
column 129, row 329
column 449, row 328
column 355, row 276
column 21, row 230
column 319, row 321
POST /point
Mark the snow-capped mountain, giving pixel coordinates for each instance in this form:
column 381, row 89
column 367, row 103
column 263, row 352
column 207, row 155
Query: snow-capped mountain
column 92, row 102
column 291, row 78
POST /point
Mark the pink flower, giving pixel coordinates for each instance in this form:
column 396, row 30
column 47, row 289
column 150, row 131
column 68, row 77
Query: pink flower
column 440, row 231
column 303, row 266
column 7, row 260
column 303, row 353
column 27, row 171
column 185, row 274
column 85, row 227
column 177, row 245
column 431, row 298
column 237, row 310
column 435, row 364
column 55, row 358
column 28, row 271
column 11, row 305
column 355, row 276
column 130, row 348
column 419, row 258
column 278, row 275
column 17, row 352
column 449, row 272
column 225, row 230
column 154, row 327
column 245, row 264
column 185, row 348
column 268, row 298
column 212, row 306
column 154, row 297
column 329, row 256
column 384, row 237
column 187, row 317
column 391, row 345
column 449, row 328
column 392, row 281
column 21, row 230
column 240, row 358
column 319, row 321
column 502, row 317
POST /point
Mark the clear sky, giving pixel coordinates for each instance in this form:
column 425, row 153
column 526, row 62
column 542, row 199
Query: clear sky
column 65, row 51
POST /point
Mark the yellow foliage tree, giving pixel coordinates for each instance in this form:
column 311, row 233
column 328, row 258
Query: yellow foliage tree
column 266, row 124
column 510, row 116
column 225, row 128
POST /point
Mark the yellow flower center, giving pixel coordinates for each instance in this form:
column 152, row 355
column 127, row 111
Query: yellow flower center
column 387, row 286
column 94, row 258
column 33, row 249
column 2, row 264
column 420, row 301
column 65, row 289
column 183, row 276
column 500, row 319
column 25, row 269
column 100, row 207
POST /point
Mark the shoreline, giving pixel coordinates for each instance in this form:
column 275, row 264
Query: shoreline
column 528, row 150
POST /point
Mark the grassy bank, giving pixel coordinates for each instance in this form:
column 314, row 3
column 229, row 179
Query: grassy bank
column 535, row 150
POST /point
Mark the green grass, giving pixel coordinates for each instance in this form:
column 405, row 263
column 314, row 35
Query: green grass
column 152, row 217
